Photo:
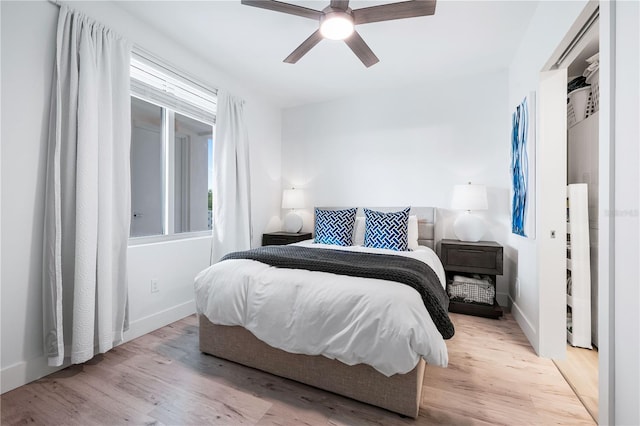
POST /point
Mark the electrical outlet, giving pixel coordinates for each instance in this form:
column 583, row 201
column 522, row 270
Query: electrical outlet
column 154, row 285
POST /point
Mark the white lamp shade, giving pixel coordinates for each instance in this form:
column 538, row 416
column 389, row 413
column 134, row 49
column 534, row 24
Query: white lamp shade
column 292, row 199
column 469, row 197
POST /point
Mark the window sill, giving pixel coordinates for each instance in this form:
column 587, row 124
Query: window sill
column 157, row 239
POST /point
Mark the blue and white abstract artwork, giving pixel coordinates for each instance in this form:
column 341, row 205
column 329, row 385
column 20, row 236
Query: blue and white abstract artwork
column 523, row 169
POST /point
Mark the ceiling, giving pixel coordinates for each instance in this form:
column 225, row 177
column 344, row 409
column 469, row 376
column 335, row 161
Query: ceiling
column 462, row 39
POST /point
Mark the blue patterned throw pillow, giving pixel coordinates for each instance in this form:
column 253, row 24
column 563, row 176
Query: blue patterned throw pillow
column 335, row 226
column 386, row 230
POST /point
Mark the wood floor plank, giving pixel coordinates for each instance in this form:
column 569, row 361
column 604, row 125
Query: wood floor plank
column 281, row 414
column 494, row 377
column 580, row 369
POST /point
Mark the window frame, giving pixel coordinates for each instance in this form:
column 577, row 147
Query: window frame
column 168, row 159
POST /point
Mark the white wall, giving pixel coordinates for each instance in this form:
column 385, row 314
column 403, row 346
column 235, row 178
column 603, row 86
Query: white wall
column 28, row 46
column 546, row 30
column 405, row 147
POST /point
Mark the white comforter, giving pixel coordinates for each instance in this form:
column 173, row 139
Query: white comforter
column 354, row 320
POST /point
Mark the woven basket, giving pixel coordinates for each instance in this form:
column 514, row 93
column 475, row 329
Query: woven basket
column 593, row 104
column 578, row 101
column 571, row 115
column 472, row 290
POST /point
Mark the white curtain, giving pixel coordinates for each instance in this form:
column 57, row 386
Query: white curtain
column 231, row 180
column 88, row 192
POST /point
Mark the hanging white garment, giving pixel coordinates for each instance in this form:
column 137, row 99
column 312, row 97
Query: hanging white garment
column 231, row 181
column 88, row 192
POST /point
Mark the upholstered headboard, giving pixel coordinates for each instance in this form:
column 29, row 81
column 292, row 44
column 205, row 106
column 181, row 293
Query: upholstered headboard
column 426, row 221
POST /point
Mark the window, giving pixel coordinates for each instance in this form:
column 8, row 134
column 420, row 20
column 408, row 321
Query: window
column 172, row 128
column 147, row 189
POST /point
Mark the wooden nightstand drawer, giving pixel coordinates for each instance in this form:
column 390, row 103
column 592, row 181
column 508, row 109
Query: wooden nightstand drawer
column 472, row 258
column 282, row 238
column 479, row 258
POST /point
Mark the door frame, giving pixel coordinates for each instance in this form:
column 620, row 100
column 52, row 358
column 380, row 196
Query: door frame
column 556, row 314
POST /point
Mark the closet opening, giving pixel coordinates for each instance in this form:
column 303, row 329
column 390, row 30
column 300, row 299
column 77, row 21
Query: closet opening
column 581, row 60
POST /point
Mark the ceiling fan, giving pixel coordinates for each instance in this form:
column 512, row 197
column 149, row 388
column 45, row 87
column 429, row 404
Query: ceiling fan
column 337, row 22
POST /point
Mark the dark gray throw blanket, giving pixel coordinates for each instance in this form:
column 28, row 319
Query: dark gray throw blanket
column 412, row 272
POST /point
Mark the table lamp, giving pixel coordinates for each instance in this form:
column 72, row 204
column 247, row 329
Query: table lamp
column 292, row 199
column 469, row 227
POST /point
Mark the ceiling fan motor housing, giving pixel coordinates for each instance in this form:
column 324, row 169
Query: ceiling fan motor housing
column 336, row 24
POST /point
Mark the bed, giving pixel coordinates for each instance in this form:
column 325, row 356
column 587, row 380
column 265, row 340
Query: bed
column 364, row 375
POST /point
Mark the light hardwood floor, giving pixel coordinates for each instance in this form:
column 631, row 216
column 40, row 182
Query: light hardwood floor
column 494, row 377
column 580, row 369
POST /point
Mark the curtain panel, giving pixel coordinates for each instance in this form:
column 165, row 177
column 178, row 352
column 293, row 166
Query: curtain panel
column 88, row 192
column 231, row 181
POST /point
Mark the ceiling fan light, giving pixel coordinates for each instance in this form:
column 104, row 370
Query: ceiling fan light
column 336, row 26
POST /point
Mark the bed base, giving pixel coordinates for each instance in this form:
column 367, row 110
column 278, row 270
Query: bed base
column 400, row 393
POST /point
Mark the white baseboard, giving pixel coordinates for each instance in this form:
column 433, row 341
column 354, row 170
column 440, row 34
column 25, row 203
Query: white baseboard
column 21, row 373
column 25, row 372
column 158, row 320
column 525, row 325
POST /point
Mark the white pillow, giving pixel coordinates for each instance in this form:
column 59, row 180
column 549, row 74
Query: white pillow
column 358, row 232
column 412, row 232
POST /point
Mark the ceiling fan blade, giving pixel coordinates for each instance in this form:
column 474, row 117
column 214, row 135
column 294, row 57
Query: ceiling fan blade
column 304, row 48
column 361, row 49
column 391, row 11
column 279, row 6
column 340, row 4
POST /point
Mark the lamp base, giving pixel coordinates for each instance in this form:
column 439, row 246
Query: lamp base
column 469, row 227
column 292, row 222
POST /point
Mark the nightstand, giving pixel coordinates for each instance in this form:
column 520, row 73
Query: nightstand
column 467, row 258
column 282, row 238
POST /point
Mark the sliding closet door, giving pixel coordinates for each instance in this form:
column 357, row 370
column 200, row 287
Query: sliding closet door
column 551, row 160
